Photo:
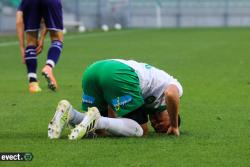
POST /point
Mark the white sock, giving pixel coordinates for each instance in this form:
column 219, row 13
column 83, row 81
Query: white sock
column 75, row 117
column 120, row 126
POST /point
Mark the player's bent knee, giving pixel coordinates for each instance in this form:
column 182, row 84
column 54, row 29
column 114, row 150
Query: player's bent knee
column 56, row 35
column 31, row 38
column 138, row 132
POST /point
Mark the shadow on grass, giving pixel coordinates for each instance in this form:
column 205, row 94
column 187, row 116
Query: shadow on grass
column 38, row 135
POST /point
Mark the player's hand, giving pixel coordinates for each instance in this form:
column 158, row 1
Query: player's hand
column 173, row 131
column 23, row 55
column 39, row 47
column 23, row 60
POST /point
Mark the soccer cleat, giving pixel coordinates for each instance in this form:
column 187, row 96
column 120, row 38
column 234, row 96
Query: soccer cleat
column 87, row 126
column 47, row 72
column 59, row 120
column 34, row 87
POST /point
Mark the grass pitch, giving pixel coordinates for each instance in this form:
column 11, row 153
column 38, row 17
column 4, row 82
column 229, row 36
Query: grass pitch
column 213, row 66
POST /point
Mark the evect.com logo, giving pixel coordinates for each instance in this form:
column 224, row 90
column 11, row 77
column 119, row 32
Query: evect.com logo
column 16, row 156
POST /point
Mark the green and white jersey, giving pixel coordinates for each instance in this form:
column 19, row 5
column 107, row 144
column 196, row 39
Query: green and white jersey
column 111, row 83
column 153, row 83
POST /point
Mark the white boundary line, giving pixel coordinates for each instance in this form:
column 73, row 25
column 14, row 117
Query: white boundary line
column 76, row 36
column 4, row 44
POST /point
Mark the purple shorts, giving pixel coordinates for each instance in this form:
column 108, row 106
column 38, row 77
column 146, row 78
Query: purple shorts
column 35, row 10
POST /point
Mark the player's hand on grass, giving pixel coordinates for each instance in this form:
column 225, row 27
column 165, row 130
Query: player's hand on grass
column 173, row 131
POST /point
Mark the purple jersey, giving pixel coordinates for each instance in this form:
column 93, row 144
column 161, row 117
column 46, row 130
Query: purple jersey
column 35, row 10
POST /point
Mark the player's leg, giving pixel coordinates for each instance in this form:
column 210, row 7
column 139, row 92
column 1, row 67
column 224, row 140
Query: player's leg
column 53, row 17
column 65, row 115
column 31, row 61
column 116, row 126
column 31, row 19
column 140, row 116
column 119, row 126
column 59, row 120
column 75, row 117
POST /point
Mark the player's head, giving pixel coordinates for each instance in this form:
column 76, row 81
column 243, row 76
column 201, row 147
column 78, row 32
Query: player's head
column 161, row 121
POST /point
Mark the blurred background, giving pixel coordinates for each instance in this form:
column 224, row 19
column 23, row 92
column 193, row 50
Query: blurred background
column 94, row 14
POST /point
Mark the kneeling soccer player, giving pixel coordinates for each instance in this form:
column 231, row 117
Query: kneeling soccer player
column 133, row 90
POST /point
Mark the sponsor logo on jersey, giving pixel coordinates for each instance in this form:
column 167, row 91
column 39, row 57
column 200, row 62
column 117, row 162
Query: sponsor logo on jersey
column 88, row 99
column 121, row 101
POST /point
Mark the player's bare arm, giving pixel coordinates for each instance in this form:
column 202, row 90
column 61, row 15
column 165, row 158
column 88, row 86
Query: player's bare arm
column 20, row 33
column 173, row 103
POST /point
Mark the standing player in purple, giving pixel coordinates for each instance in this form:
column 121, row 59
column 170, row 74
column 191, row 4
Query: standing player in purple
column 28, row 19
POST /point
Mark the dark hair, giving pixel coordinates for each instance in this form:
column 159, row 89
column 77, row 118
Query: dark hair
column 179, row 120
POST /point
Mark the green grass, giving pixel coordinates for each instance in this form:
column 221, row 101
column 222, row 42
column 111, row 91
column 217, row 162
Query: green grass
column 213, row 66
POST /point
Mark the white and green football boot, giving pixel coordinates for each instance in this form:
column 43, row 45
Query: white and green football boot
column 59, row 120
column 87, row 126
